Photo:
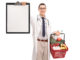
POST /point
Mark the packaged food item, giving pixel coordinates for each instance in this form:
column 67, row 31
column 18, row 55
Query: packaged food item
column 63, row 46
column 56, row 48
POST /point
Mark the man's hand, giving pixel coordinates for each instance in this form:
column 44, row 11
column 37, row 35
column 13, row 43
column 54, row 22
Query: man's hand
column 57, row 33
column 23, row 3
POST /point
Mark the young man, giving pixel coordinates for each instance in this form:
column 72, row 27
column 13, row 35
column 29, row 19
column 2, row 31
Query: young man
column 41, row 35
column 42, row 47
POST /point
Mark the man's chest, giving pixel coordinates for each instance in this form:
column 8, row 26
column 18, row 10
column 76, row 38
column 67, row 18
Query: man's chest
column 40, row 23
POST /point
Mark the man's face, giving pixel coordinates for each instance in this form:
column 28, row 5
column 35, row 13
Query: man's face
column 42, row 9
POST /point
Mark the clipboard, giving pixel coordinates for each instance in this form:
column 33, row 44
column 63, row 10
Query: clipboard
column 18, row 18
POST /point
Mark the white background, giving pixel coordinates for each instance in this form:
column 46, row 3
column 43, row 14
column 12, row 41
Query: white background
column 64, row 15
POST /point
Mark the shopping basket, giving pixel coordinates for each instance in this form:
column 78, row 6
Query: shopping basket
column 58, row 53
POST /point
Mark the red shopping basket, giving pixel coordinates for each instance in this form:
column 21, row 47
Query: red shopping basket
column 57, row 53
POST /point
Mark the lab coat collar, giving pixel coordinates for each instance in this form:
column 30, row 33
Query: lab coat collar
column 40, row 18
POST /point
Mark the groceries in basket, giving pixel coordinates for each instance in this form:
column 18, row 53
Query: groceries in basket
column 58, row 47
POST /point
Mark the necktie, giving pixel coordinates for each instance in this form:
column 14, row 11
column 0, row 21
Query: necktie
column 43, row 27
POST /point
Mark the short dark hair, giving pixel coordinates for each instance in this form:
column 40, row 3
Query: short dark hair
column 41, row 4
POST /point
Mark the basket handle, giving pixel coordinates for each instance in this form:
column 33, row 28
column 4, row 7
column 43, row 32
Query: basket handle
column 60, row 33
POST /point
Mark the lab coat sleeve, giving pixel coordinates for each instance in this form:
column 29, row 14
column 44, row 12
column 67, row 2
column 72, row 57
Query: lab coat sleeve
column 32, row 23
column 50, row 28
column 49, row 32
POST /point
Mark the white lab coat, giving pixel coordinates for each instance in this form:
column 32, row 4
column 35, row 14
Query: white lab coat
column 36, row 25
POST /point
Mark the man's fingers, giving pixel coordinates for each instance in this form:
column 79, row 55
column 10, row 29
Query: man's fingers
column 57, row 33
column 23, row 3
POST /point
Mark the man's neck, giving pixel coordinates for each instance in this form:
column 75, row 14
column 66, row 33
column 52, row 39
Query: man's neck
column 42, row 15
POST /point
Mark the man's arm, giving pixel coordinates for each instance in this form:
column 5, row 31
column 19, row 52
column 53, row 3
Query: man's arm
column 32, row 22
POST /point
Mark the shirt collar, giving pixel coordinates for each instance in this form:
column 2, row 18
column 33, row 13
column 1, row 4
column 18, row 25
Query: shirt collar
column 40, row 17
